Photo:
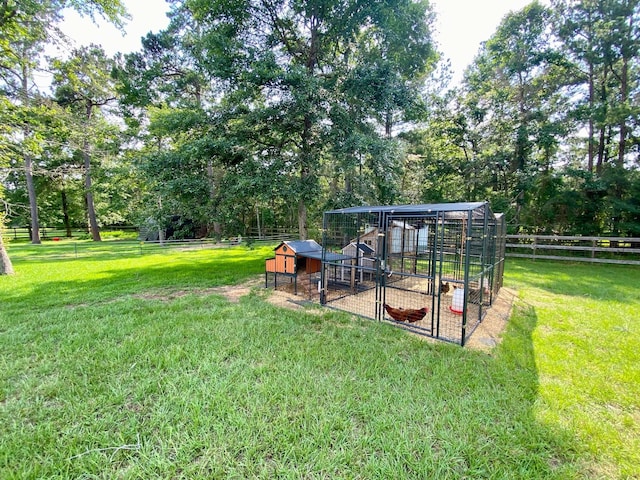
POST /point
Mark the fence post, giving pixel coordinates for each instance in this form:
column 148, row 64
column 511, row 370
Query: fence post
column 75, row 248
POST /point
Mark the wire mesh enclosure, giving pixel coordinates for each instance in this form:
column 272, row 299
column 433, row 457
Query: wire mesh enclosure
column 434, row 269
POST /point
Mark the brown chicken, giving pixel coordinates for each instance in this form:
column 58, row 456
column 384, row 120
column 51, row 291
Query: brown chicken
column 444, row 287
column 406, row 314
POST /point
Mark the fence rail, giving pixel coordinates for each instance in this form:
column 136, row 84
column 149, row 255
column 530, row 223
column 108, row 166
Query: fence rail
column 70, row 249
column 273, row 234
column 621, row 250
column 24, row 233
column 617, row 250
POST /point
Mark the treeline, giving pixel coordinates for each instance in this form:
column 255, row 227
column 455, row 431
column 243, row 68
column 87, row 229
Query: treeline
column 265, row 113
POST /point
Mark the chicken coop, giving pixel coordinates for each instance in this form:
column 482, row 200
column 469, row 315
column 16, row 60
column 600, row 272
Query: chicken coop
column 433, row 269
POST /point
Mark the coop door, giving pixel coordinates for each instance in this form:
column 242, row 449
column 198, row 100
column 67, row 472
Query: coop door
column 407, row 249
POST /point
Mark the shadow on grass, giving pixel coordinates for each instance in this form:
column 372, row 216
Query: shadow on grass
column 503, row 424
column 107, row 250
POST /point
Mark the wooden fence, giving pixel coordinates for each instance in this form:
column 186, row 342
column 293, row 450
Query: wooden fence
column 272, row 234
column 69, row 249
column 24, row 233
column 622, row 250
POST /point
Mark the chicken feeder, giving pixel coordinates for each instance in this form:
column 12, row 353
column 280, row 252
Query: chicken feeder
column 457, row 303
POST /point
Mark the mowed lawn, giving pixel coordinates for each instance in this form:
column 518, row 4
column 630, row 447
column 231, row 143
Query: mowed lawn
column 133, row 367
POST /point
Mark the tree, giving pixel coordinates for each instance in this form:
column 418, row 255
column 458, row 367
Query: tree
column 6, row 268
column 166, row 84
column 602, row 40
column 287, row 78
column 83, row 83
column 26, row 27
column 514, row 88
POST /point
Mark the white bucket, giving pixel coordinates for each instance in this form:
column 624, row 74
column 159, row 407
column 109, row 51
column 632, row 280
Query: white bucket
column 457, row 304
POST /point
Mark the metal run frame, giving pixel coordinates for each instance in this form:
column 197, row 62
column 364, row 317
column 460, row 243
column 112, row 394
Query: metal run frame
column 417, row 249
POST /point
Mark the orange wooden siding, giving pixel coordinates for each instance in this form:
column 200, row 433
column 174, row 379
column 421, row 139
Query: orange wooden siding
column 283, row 249
column 271, row 265
column 281, row 264
column 313, row 265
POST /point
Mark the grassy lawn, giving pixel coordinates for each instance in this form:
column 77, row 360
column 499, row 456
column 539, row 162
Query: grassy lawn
column 131, row 367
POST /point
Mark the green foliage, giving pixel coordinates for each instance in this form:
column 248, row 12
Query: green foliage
column 34, row 132
column 281, row 99
column 270, row 112
column 542, row 127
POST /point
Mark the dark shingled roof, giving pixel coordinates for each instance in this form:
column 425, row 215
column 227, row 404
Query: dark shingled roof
column 311, row 249
column 303, row 246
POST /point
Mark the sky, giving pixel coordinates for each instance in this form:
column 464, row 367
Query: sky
column 461, row 27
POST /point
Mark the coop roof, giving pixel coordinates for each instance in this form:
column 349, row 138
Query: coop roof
column 363, row 247
column 302, row 246
column 311, row 249
column 450, row 209
column 328, row 256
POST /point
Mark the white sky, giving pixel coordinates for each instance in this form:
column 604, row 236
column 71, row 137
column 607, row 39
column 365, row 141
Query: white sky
column 461, row 27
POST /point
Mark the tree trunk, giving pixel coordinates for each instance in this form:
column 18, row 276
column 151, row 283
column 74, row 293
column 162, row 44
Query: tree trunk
column 591, row 140
column 65, row 212
column 6, row 268
column 603, row 135
column 302, row 220
column 214, row 227
column 28, row 164
column 258, row 222
column 624, row 94
column 306, row 156
column 91, row 212
column 33, row 203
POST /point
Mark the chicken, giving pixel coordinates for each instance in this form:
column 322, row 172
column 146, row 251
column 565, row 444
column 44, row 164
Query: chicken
column 474, row 294
column 406, row 314
column 444, row 287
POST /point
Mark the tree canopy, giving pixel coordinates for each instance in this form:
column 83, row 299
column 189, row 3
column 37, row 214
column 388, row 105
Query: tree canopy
column 268, row 112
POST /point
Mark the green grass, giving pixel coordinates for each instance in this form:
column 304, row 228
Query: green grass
column 587, row 352
column 131, row 368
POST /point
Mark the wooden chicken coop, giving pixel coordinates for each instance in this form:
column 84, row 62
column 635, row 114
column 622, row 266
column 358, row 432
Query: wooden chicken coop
column 443, row 259
column 299, row 263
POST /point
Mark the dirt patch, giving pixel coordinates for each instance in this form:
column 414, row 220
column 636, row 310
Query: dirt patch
column 173, row 294
column 486, row 336
column 234, row 293
column 489, row 333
